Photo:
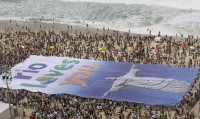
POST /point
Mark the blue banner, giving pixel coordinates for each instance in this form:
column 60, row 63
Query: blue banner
column 150, row 84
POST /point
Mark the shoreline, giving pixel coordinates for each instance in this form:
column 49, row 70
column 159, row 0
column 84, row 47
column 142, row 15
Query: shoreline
column 57, row 27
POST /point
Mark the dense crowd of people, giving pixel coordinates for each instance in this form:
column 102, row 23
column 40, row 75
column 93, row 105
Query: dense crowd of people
column 16, row 46
column 122, row 47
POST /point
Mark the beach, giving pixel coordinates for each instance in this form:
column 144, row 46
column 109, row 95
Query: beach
column 72, row 30
column 137, row 32
column 56, row 27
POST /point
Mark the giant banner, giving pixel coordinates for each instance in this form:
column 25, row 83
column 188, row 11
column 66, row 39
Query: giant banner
column 151, row 84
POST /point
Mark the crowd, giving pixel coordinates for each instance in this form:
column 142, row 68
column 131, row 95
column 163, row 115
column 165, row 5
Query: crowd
column 16, row 46
column 121, row 47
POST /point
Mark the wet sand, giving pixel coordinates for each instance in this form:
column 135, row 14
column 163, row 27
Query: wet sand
column 37, row 26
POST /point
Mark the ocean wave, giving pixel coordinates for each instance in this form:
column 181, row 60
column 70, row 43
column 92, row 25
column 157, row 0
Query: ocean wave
column 180, row 4
column 135, row 17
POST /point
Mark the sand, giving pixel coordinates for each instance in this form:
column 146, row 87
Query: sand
column 18, row 25
column 37, row 26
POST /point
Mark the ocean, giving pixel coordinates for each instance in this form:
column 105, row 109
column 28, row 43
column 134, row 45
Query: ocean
column 139, row 16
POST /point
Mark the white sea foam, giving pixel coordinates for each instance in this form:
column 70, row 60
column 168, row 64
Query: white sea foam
column 181, row 4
